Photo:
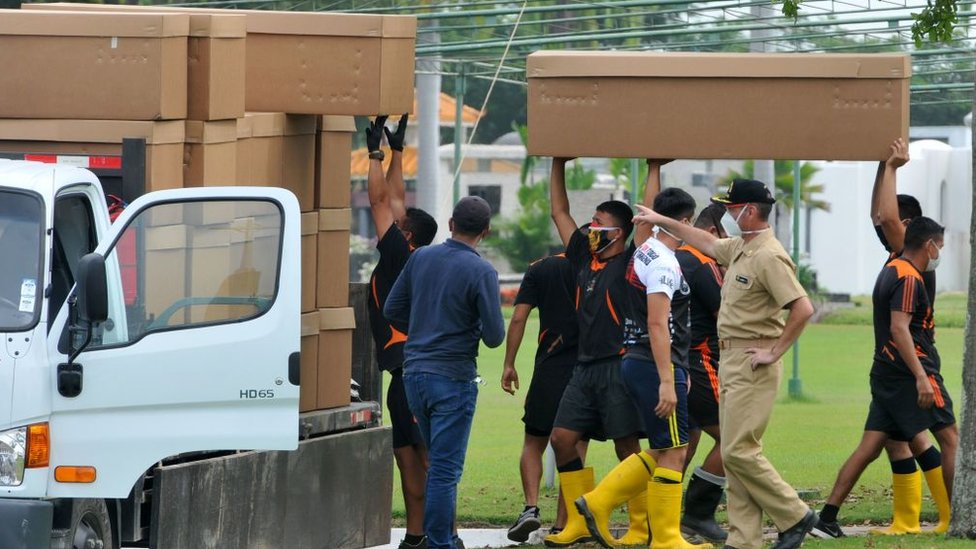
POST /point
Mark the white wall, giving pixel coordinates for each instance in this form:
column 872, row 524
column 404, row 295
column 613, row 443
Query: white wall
column 844, row 249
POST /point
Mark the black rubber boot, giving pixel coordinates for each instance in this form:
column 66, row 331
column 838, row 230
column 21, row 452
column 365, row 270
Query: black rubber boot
column 701, row 500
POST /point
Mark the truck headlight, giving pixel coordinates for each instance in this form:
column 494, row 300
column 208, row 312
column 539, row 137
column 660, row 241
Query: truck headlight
column 13, row 449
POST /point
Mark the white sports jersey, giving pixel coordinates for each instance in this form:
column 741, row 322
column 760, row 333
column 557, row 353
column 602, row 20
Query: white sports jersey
column 656, row 267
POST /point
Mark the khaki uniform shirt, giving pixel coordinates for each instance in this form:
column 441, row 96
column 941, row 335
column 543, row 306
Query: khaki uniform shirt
column 760, row 282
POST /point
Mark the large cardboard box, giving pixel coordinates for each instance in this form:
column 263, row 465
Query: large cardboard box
column 215, row 58
column 332, row 286
column 124, row 66
column 165, row 271
column 278, row 150
column 210, row 153
column 322, row 63
column 717, row 105
column 335, row 356
column 308, row 393
column 310, row 255
column 332, row 168
column 80, row 138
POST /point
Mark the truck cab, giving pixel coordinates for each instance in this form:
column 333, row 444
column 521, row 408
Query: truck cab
column 172, row 331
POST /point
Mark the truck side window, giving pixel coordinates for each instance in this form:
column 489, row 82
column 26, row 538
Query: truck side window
column 74, row 236
column 193, row 263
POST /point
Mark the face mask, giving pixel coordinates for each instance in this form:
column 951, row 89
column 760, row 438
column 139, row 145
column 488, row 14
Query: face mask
column 599, row 240
column 658, row 228
column 730, row 225
column 933, row 263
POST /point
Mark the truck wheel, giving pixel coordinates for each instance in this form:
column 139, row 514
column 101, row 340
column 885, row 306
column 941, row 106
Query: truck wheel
column 90, row 525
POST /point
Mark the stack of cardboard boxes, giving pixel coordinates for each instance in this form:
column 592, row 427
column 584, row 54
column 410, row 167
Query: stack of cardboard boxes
column 221, row 98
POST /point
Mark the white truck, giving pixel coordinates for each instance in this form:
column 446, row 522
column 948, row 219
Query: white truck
column 131, row 380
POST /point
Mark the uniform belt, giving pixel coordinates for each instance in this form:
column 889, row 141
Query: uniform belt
column 736, row 343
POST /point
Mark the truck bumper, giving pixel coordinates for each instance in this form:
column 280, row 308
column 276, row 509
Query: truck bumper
column 25, row 523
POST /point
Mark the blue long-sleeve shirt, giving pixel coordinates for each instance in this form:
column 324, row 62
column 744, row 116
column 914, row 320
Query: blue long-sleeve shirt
column 448, row 297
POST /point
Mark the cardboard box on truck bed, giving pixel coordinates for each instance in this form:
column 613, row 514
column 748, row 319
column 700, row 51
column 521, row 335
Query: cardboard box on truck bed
column 332, row 169
column 717, row 105
column 74, row 138
column 335, row 356
column 215, row 58
column 321, row 63
column 122, row 66
column 210, row 155
column 332, row 287
column 278, row 150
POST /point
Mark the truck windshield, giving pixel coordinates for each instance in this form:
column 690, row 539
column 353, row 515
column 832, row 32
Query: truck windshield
column 21, row 232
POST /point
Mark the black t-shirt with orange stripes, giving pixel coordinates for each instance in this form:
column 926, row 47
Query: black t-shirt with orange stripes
column 550, row 285
column 900, row 288
column 705, row 281
column 601, row 295
column 394, row 253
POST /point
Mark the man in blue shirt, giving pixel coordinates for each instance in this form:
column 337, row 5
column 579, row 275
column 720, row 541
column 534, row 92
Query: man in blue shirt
column 448, row 298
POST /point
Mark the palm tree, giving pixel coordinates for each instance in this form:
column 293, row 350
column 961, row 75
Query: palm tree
column 783, row 170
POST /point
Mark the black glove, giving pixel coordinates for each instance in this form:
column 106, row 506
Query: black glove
column 395, row 139
column 374, row 133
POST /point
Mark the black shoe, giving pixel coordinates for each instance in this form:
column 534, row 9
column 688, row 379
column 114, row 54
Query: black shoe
column 792, row 537
column 827, row 530
column 422, row 544
column 458, row 544
column 525, row 524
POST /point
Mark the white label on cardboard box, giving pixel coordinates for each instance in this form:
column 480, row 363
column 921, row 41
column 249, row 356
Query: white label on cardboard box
column 115, row 42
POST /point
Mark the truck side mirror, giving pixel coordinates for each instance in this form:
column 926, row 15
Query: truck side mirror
column 92, row 289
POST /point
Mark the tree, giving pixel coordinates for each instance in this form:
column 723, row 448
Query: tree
column 783, row 170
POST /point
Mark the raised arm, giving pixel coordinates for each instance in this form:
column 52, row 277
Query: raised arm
column 559, row 201
column 652, row 186
column 394, row 175
column 376, row 187
column 885, row 198
column 703, row 240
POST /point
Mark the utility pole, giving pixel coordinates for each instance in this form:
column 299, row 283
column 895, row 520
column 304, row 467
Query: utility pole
column 429, row 192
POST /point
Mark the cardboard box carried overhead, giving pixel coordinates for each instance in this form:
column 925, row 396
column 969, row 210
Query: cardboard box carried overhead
column 717, row 105
column 322, row 63
column 215, row 58
column 124, row 66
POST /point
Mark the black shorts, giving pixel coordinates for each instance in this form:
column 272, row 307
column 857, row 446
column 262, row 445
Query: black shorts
column 894, row 408
column 702, row 400
column 549, row 381
column 405, row 429
column 596, row 403
column 643, row 383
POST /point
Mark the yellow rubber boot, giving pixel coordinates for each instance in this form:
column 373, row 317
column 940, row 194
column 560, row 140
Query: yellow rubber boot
column 906, row 491
column 626, row 480
column 664, row 511
column 937, row 487
column 638, row 531
column 574, row 484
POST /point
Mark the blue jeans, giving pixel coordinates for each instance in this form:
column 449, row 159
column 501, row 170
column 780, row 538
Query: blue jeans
column 444, row 409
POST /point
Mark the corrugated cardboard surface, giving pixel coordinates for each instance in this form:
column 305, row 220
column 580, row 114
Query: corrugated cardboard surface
column 332, row 286
column 308, row 393
column 278, row 150
column 119, row 66
column 335, row 356
column 310, row 254
column 738, row 106
column 210, row 154
column 164, row 151
column 332, row 172
column 341, row 63
column 215, row 63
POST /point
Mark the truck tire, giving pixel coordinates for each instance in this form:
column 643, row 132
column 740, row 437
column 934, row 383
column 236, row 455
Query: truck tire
column 90, row 526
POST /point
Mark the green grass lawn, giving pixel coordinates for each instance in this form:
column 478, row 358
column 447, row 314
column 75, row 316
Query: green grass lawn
column 807, row 441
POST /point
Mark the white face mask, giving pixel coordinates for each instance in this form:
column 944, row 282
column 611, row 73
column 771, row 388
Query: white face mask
column 934, row 262
column 730, row 225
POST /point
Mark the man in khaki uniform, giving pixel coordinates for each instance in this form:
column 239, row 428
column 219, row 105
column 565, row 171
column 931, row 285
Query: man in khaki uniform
column 753, row 336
